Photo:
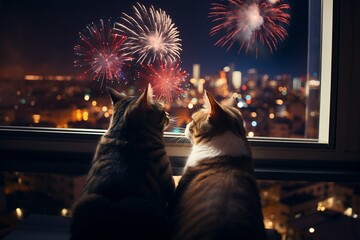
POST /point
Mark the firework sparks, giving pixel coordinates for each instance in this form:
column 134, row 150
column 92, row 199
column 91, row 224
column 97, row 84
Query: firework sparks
column 151, row 35
column 250, row 22
column 100, row 52
column 167, row 79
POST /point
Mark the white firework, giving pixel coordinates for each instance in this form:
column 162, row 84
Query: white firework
column 151, row 35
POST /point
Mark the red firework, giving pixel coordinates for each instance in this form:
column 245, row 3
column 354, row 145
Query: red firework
column 167, row 79
column 100, row 52
column 250, row 23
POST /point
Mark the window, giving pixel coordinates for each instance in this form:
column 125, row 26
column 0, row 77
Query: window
column 282, row 211
column 332, row 157
column 277, row 67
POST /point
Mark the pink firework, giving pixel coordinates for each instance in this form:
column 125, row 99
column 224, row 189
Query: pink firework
column 100, row 52
column 250, row 23
column 167, row 79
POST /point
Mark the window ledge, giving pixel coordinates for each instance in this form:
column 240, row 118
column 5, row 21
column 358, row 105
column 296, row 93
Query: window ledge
column 70, row 151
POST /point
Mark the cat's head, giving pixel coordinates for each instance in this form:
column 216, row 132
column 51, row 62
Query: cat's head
column 137, row 112
column 214, row 120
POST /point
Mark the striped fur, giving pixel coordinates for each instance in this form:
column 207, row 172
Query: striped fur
column 217, row 197
column 130, row 174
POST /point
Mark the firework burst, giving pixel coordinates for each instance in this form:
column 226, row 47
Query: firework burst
column 167, row 79
column 250, row 23
column 100, row 52
column 151, row 35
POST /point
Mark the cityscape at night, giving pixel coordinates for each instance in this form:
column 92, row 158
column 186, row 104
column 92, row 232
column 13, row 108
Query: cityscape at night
column 54, row 75
column 45, row 83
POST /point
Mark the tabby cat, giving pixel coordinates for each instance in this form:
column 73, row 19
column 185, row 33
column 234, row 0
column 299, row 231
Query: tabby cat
column 130, row 180
column 217, row 197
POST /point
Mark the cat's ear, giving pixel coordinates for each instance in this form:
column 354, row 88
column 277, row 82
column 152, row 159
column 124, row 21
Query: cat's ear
column 115, row 95
column 146, row 99
column 215, row 109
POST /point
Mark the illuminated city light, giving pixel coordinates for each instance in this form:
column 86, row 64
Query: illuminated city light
column 254, row 123
column 269, row 224
column 271, row 116
column 85, row 116
column 226, row 69
column 94, row 103
column 282, row 89
column 243, row 88
column 193, row 81
column 240, row 104
column 314, row 83
column 313, row 113
column 190, row 106
column 254, row 114
column 65, row 212
column 58, row 78
column 320, row 207
column 19, row 213
column 248, row 97
column 58, row 97
column 78, row 115
column 32, row 103
column 33, row 77
column 348, row 212
column 236, row 79
column 311, row 230
column 279, row 102
column 251, row 134
column 86, row 97
column 106, row 115
column 194, row 100
column 355, row 216
column 49, row 77
column 36, row 118
column 104, row 108
column 273, row 83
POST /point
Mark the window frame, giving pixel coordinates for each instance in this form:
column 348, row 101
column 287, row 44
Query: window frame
column 70, row 150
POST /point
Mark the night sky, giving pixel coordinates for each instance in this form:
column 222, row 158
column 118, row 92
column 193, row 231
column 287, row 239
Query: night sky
column 38, row 36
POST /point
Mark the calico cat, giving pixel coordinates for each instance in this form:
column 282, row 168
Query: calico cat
column 217, row 196
column 130, row 180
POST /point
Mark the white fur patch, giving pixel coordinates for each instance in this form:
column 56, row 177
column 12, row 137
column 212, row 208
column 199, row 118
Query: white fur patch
column 227, row 144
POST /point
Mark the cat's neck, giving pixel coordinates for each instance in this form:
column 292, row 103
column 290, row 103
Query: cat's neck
column 227, row 144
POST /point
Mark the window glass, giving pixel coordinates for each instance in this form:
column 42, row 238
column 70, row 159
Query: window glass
column 57, row 57
column 292, row 209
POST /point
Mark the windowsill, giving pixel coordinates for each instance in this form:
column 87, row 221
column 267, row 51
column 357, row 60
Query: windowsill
column 70, row 151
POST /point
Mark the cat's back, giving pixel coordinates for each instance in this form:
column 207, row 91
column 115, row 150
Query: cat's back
column 217, row 199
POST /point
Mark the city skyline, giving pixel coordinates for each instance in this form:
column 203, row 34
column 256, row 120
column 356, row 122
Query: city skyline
column 38, row 37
